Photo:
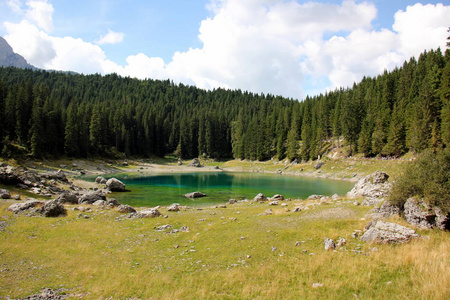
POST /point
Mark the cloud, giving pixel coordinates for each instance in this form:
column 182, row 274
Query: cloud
column 280, row 47
column 111, row 38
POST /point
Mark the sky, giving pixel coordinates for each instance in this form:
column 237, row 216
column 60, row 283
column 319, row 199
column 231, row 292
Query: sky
column 290, row 48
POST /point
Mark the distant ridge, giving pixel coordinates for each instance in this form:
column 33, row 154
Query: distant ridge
column 10, row 59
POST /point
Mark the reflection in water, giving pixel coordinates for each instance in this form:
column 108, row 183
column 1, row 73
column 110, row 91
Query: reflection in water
column 220, row 187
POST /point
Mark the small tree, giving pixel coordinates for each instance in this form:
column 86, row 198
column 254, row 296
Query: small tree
column 428, row 178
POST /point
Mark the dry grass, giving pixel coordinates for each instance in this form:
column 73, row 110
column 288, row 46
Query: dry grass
column 227, row 254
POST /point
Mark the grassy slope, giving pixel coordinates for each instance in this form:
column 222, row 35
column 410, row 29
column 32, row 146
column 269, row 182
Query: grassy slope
column 101, row 257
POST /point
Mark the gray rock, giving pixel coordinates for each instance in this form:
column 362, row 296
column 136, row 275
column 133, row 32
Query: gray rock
column 115, row 185
column 341, row 242
column 100, row 203
column 21, row 207
column 91, row 197
column 318, row 165
column 53, row 208
column 268, row 212
column 297, row 209
column 195, row 163
column 4, row 194
column 59, row 175
column 174, row 207
column 273, row 203
column 329, row 244
column 100, row 180
column 421, row 215
column 386, row 210
column 374, row 187
column 195, row 195
column 380, row 232
column 232, row 201
column 260, row 197
column 112, row 202
column 147, row 213
column 125, row 209
column 68, row 197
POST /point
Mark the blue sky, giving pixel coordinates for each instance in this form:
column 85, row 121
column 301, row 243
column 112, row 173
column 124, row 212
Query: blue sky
column 287, row 47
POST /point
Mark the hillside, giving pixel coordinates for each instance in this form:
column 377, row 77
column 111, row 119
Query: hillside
column 49, row 114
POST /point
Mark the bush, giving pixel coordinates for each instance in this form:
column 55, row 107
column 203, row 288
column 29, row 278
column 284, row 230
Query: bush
column 427, row 178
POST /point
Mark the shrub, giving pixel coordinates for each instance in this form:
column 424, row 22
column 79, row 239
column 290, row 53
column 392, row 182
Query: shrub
column 427, row 178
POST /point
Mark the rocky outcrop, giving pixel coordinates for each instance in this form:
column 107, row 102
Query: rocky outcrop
column 115, row 185
column 25, row 206
column 195, row 195
column 380, row 232
column 386, row 210
column 51, row 208
column 374, row 187
column 195, row 163
column 421, row 215
column 10, row 59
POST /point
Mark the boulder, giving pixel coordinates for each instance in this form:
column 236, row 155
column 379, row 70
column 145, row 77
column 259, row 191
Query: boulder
column 112, row 202
column 100, row 203
column 174, row 207
column 273, row 203
column 277, row 197
column 329, row 244
column 4, row 194
column 68, row 197
column 21, row 207
column 125, row 209
column 195, row 195
column 53, row 208
column 386, row 210
column 419, row 214
column 380, row 232
column 374, row 187
column 195, row 163
column 147, row 213
column 59, row 175
column 341, row 242
column 318, row 165
column 100, row 180
column 260, row 197
column 115, row 185
column 91, row 197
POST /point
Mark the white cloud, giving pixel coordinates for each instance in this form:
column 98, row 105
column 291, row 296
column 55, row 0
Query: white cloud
column 15, row 5
column 111, row 38
column 40, row 12
column 270, row 46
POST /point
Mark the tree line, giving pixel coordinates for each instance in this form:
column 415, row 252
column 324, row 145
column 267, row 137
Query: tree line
column 51, row 114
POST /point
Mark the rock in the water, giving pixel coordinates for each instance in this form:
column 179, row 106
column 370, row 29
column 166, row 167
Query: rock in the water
column 100, row 180
column 174, row 207
column 125, row 209
column 421, row 215
column 4, row 194
column 373, row 187
column 329, row 244
column 53, row 208
column 91, row 197
column 195, row 163
column 195, row 195
column 21, row 207
column 147, row 213
column 115, row 185
column 68, row 197
column 260, row 197
column 380, row 232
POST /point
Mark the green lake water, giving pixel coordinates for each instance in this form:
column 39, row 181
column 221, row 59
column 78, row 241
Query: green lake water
column 165, row 189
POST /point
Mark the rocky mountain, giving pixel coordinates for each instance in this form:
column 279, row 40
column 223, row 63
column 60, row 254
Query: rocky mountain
column 10, row 59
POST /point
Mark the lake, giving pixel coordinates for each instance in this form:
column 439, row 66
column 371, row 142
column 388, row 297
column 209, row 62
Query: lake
column 165, row 189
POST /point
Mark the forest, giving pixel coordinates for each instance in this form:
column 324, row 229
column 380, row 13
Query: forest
column 54, row 114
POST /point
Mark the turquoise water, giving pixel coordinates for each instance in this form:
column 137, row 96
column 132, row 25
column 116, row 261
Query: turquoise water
column 220, row 187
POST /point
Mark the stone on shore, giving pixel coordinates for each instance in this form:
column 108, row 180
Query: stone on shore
column 100, row 180
column 115, row 185
column 125, row 209
column 374, row 187
column 195, row 195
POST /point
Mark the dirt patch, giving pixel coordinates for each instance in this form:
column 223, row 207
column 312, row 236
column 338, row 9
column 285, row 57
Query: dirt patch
column 330, row 214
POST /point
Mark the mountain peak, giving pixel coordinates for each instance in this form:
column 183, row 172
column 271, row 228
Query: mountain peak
column 10, row 59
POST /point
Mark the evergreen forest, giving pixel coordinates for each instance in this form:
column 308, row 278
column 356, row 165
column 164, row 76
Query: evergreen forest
column 53, row 114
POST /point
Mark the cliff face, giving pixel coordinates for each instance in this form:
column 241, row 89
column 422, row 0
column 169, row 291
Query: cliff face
column 10, row 59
